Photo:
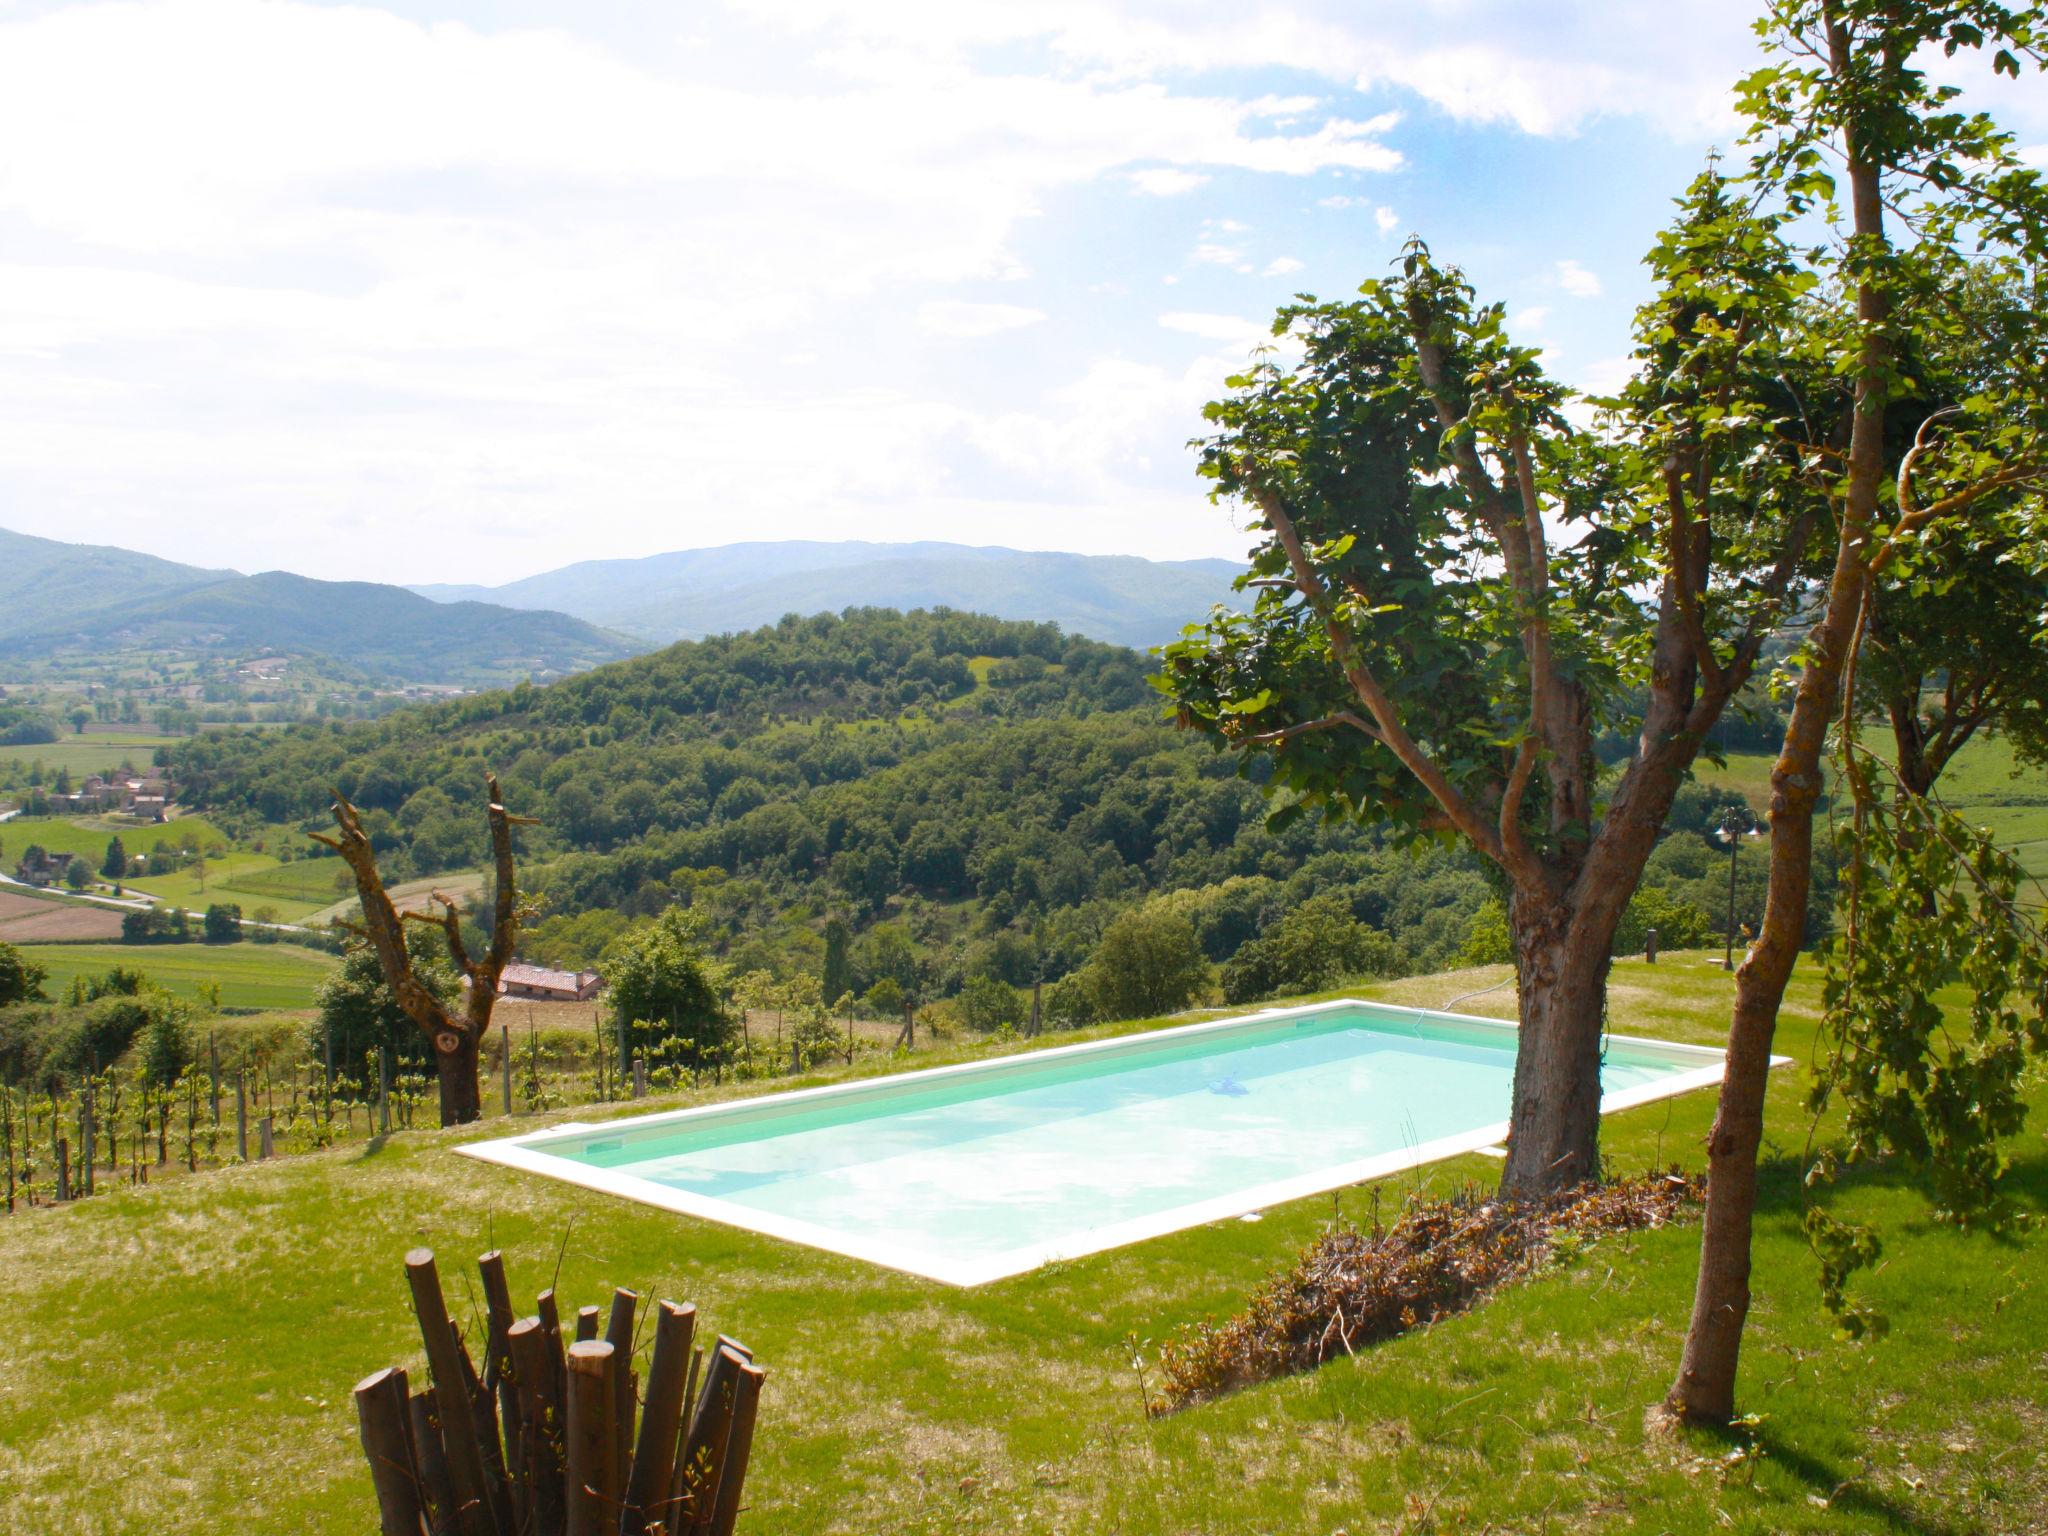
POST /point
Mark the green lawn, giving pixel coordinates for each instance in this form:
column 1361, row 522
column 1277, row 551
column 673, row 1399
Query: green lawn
column 248, row 880
column 250, row 975
column 89, row 754
column 88, row 836
column 205, row 1332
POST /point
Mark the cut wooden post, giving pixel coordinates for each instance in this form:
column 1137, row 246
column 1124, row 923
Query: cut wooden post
column 383, row 1420
column 661, row 1416
column 703, row 1449
column 593, row 1498
column 639, row 1077
column 1650, row 946
column 85, row 1129
column 540, row 1420
column 453, row 1405
column 383, row 1090
column 498, row 1369
column 586, row 1324
column 213, row 1069
column 618, row 1332
column 505, row 1064
column 242, row 1116
column 432, row 1461
column 551, row 1329
column 266, row 1138
column 1037, row 1017
column 63, row 1169
column 739, row 1445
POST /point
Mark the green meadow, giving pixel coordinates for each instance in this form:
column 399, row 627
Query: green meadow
column 206, row 1331
column 248, row 975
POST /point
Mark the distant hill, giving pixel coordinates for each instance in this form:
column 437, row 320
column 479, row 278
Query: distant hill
column 690, row 593
column 63, row 599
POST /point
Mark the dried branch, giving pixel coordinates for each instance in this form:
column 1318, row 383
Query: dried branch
column 1328, row 722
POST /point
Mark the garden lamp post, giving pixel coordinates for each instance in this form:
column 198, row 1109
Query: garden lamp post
column 1735, row 825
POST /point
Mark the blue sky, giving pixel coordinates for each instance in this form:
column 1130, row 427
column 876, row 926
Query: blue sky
column 465, row 291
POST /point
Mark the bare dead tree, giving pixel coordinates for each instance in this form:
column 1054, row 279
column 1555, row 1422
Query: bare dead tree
column 456, row 1037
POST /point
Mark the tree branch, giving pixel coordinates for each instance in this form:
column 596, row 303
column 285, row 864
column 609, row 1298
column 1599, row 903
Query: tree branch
column 1328, row 722
column 1381, row 708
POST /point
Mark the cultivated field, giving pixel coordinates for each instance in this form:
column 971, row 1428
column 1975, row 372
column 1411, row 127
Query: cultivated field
column 94, row 752
column 249, row 975
column 36, row 919
column 211, row 1326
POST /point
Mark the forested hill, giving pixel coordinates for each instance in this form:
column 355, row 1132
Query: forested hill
column 970, row 796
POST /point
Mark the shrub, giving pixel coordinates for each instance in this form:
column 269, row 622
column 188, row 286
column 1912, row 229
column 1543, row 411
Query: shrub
column 987, row 1004
column 1316, row 945
column 1148, row 962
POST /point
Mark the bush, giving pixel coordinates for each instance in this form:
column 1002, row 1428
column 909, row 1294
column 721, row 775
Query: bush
column 1487, row 941
column 987, row 1005
column 1070, row 1002
column 1679, row 924
column 21, row 979
column 223, row 923
column 1147, row 963
column 1315, row 946
column 663, row 981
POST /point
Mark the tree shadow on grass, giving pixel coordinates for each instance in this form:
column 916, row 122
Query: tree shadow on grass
column 1845, row 1490
column 1781, row 1184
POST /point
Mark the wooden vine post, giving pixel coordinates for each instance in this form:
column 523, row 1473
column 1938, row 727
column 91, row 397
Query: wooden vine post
column 543, row 1442
column 457, row 1037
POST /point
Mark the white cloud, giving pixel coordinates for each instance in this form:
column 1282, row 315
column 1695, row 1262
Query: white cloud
column 1212, row 253
column 964, row 319
column 1545, row 69
column 1166, row 181
column 1235, row 329
column 1577, row 281
column 1528, row 320
column 1386, row 218
column 1280, row 266
column 1343, row 200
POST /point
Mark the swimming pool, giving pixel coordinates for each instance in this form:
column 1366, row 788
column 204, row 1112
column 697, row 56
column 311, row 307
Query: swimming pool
column 969, row 1173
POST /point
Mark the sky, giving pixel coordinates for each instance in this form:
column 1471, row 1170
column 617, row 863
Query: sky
column 463, row 292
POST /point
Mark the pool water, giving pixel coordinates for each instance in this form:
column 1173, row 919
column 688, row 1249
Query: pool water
column 969, row 1173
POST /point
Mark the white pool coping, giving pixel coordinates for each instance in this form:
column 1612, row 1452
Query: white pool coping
column 522, row 1153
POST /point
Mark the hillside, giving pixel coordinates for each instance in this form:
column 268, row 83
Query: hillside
column 988, row 793
column 695, row 592
column 45, row 583
column 86, row 599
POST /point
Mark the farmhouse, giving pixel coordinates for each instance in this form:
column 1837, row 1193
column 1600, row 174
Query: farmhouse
column 40, row 868
column 545, row 985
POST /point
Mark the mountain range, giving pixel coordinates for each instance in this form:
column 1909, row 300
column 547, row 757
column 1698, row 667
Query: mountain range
column 74, row 602
column 691, row 593
column 71, row 601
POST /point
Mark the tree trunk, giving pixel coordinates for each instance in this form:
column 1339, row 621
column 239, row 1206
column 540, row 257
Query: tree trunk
column 1705, row 1388
column 461, row 1098
column 1561, row 967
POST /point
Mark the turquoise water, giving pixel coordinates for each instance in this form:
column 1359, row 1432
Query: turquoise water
column 1039, row 1152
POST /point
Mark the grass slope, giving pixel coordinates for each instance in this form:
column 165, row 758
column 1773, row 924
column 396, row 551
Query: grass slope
column 89, row 753
column 88, row 836
column 210, row 1328
column 249, row 975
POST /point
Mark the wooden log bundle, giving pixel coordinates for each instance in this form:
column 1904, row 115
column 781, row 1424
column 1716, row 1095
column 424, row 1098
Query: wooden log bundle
column 556, row 1438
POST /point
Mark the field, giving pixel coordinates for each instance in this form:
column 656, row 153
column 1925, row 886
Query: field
column 249, row 880
column 36, row 919
column 94, row 752
column 249, row 975
column 1984, row 784
column 210, row 1327
column 87, row 836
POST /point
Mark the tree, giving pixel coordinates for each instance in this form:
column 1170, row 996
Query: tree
column 1424, row 651
column 838, row 976
column 80, row 718
column 358, row 1012
column 1849, row 90
column 21, row 979
column 1148, row 962
column 456, row 1036
column 663, row 982
column 884, row 999
column 78, row 873
column 987, row 1004
column 223, row 923
column 115, row 865
column 1313, row 946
